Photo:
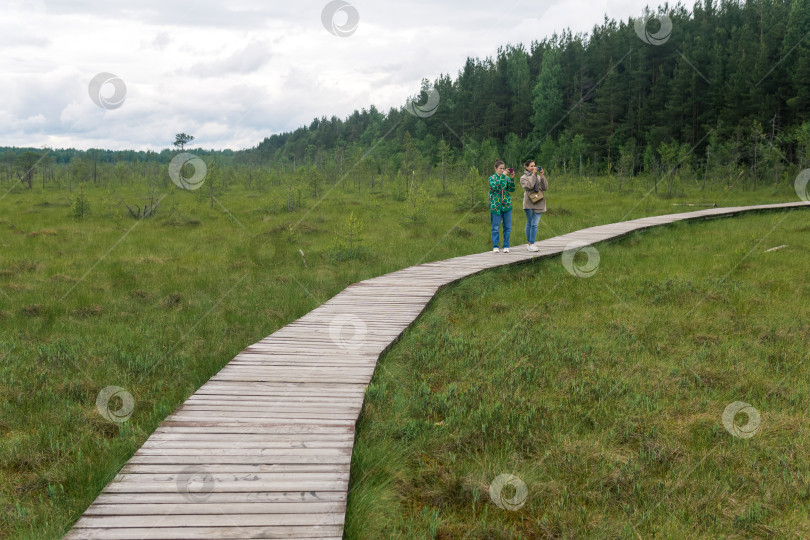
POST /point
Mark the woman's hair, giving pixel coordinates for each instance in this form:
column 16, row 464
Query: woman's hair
column 526, row 163
column 498, row 163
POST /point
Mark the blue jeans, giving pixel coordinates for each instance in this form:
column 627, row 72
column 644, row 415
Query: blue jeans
column 496, row 219
column 532, row 220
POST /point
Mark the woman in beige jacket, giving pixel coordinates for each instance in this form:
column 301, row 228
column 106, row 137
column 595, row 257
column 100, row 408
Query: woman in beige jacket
column 533, row 179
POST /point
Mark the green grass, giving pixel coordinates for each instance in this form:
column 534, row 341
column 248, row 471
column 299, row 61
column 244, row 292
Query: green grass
column 604, row 395
column 160, row 305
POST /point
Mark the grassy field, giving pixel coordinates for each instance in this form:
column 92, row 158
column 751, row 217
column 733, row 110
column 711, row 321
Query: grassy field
column 157, row 306
column 604, row 396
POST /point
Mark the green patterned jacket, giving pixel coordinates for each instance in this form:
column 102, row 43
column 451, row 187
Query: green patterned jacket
column 500, row 186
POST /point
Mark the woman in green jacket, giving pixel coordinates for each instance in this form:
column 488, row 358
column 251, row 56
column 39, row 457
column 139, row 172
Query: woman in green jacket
column 500, row 204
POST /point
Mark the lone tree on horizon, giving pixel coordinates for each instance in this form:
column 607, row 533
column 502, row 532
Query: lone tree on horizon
column 182, row 139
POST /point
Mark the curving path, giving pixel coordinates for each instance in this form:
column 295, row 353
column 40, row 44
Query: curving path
column 262, row 450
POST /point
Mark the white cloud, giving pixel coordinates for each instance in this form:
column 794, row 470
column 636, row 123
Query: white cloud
column 246, row 60
column 233, row 73
column 161, row 40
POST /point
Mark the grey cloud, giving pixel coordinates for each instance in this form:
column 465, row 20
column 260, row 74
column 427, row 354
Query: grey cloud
column 14, row 37
column 251, row 58
column 245, row 14
column 162, row 39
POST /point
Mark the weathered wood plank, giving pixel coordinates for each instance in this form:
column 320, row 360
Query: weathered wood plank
column 264, row 452
column 213, row 520
column 270, row 418
column 258, row 460
column 207, row 435
column 235, row 468
column 255, row 427
column 194, row 508
column 225, row 394
column 270, row 430
column 231, row 487
column 251, row 404
column 213, row 445
column 282, row 498
column 205, row 533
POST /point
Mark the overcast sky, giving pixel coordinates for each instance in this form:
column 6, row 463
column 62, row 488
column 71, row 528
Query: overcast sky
column 231, row 73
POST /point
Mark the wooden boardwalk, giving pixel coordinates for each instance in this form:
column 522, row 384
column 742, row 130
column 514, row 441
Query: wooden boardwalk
column 262, row 450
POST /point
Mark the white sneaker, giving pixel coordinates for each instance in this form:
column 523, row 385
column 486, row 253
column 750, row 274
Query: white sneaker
column 496, row 250
column 532, row 247
column 506, row 250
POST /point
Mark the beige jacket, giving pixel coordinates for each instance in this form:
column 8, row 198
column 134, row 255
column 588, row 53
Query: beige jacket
column 529, row 182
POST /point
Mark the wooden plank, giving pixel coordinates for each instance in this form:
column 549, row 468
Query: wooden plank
column 269, row 409
column 258, row 355
column 269, row 400
column 324, row 336
column 209, row 444
column 331, row 350
column 257, row 460
column 272, row 408
column 249, row 520
column 265, row 423
column 276, row 372
column 323, row 347
column 194, row 508
column 262, row 360
column 288, row 388
column 319, row 442
column 271, row 417
column 334, row 357
column 291, row 377
column 329, row 313
column 313, row 372
column 305, row 361
column 259, row 417
column 275, row 430
column 206, row 533
column 318, row 485
column 268, row 452
column 215, row 497
column 269, row 362
column 162, row 433
column 220, row 481
column 224, row 394
column 253, row 369
column 262, row 401
column 239, row 468
column 322, row 339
